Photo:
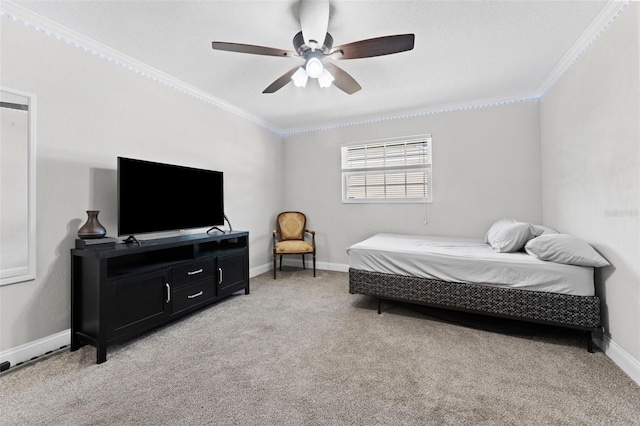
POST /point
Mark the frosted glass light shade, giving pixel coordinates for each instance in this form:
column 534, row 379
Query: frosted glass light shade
column 325, row 79
column 314, row 67
column 300, row 77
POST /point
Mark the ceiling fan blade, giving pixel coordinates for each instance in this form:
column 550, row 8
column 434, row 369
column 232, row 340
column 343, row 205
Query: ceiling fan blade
column 343, row 80
column 314, row 21
column 281, row 81
column 250, row 48
column 376, row 46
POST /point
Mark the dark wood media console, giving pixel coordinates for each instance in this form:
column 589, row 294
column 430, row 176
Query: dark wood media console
column 121, row 291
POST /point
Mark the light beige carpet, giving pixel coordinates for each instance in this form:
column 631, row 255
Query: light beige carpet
column 302, row 350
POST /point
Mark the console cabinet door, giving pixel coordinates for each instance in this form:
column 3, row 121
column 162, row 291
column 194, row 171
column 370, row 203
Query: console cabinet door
column 232, row 272
column 138, row 302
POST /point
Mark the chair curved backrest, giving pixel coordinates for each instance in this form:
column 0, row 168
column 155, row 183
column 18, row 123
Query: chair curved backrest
column 291, row 225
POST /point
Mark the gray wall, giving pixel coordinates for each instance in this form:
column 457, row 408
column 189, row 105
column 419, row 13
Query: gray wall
column 89, row 111
column 486, row 165
column 590, row 133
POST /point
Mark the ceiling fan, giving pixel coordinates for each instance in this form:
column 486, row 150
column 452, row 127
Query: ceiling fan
column 317, row 55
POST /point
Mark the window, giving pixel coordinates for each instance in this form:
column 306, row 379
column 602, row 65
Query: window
column 394, row 170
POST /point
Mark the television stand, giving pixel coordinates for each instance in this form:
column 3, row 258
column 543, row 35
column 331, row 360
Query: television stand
column 123, row 290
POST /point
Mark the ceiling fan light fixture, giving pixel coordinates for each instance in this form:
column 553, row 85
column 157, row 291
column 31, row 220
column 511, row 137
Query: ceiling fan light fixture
column 314, row 45
column 325, row 79
column 300, row 77
column 314, row 67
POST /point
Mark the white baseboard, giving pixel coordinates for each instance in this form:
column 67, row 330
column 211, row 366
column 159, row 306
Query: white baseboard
column 338, row 267
column 297, row 263
column 28, row 351
column 327, row 266
column 258, row 270
column 620, row 357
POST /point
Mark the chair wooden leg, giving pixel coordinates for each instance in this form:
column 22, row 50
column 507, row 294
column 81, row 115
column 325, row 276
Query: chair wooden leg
column 314, row 264
column 303, row 265
column 280, row 262
column 274, row 266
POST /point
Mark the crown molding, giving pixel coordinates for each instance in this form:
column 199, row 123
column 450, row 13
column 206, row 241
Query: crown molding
column 600, row 23
column 73, row 38
column 419, row 112
column 607, row 15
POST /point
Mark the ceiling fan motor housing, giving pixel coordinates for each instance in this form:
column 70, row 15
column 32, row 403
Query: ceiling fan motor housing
column 301, row 48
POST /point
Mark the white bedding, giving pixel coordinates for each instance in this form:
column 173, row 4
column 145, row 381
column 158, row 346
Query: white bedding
column 467, row 261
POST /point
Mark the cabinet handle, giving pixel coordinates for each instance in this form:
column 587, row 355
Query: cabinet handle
column 220, row 276
column 197, row 271
column 168, row 292
column 193, row 296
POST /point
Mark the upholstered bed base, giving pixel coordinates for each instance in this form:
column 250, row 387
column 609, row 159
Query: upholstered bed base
column 579, row 312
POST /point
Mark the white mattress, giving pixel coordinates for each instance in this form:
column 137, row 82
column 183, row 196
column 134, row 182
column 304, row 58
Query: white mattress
column 467, row 261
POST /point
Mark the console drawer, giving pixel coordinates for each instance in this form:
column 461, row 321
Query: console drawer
column 193, row 272
column 192, row 295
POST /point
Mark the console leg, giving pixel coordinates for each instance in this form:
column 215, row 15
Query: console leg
column 101, row 354
column 75, row 344
column 589, row 342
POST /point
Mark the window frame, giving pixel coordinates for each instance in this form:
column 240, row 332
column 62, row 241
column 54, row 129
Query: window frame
column 424, row 166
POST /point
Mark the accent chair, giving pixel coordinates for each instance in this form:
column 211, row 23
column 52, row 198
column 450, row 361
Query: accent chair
column 289, row 239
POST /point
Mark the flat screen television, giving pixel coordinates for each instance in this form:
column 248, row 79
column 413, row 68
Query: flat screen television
column 154, row 197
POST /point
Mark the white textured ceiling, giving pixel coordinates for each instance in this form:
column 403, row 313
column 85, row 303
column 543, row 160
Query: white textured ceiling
column 464, row 52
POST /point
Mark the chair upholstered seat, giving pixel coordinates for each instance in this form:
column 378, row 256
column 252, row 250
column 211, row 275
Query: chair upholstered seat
column 289, row 238
column 294, row 247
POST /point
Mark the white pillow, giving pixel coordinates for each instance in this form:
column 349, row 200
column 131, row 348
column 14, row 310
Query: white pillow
column 563, row 248
column 511, row 237
column 496, row 227
column 542, row 230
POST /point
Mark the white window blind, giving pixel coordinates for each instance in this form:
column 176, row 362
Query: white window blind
column 397, row 170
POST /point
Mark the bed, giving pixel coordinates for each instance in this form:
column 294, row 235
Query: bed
column 473, row 275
